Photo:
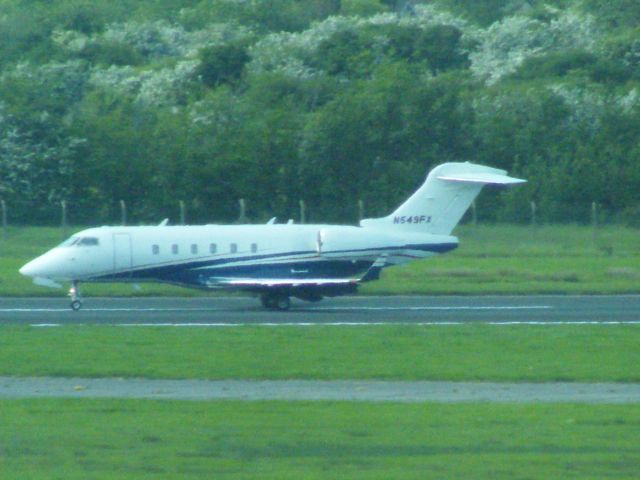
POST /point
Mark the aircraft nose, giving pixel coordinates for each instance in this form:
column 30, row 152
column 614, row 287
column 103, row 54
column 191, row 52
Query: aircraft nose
column 29, row 269
column 43, row 266
column 50, row 265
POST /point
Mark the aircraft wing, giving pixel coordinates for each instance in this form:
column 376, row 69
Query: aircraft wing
column 280, row 282
column 373, row 273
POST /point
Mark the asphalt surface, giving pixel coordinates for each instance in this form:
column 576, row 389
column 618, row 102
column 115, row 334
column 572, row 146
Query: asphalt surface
column 301, row 390
column 217, row 311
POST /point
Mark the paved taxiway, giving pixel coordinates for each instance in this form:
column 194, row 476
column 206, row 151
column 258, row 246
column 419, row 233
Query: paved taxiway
column 218, row 311
column 306, row 390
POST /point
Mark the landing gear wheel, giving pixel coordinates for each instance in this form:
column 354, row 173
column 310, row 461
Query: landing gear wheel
column 268, row 301
column 76, row 304
column 283, row 303
column 275, row 302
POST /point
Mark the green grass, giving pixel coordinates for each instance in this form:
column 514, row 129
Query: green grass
column 95, row 439
column 490, row 259
column 524, row 260
column 465, row 352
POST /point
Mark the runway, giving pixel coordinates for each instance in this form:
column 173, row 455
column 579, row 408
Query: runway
column 309, row 390
column 357, row 310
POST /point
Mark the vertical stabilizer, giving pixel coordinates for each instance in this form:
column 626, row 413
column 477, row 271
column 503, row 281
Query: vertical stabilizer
column 438, row 205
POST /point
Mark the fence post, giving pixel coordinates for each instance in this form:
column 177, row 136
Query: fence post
column 474, row 214
column 4, row 217
column 183, row 215
column 242, row 218
column 360, row 210
column 533, row 213
column 63, row 221
column 594, row 222
column 303, row 211
column 123, row 212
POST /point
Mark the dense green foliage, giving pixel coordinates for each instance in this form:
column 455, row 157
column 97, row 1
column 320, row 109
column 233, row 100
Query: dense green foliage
column 327, row 101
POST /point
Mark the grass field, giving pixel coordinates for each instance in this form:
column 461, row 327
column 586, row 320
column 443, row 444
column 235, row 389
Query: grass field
column 523, row 260
column 490, row 259
column 465, row 352
column 137, row 439
column 276, row 440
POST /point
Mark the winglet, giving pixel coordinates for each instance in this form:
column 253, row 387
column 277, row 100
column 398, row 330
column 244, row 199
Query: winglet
column 374, row 270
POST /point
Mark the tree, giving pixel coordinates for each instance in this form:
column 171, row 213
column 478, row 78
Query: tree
column 222, row 64
column 484, row 12
column 38, row 159
column 616, row 13
column 349, row 53
column 508, row 43
column 440, row 46
column 560, row 64
column 376, row 140
column 624, row 50
column 363, row 8
column 117, row 164
column 556, row 64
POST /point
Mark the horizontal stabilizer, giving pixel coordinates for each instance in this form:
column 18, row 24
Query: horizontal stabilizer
column 481, row 177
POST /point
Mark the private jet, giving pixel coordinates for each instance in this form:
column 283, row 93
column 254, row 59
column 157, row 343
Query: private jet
column 273, row 261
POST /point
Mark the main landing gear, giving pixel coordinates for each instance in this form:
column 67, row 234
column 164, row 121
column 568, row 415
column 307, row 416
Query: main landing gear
column 76, row 303
column 275, row 301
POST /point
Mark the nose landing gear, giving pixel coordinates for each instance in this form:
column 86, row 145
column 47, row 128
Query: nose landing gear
column 76, row 303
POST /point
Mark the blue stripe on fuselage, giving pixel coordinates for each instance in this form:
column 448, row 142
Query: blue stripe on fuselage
column 198, row 273
column 201, row 276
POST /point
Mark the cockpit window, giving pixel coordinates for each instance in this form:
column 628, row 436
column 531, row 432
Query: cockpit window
column 88, row 242
column 68, row 242
column 80, row 242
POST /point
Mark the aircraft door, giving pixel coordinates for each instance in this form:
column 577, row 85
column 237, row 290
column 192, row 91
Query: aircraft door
column 122, row 258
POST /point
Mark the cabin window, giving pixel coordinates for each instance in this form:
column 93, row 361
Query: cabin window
column 194, row 249
column 174, row 249
column 155, row 249
column 233, row 248
column 213, row 248
column 254, row 247
column 88, row 242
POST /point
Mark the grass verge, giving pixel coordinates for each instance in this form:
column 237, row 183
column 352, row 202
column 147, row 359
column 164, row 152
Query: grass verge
column 74, row 439
column 466, row 352
column 525, row 260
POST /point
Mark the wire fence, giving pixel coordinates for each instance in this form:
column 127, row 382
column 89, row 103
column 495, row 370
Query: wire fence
column 471, row 217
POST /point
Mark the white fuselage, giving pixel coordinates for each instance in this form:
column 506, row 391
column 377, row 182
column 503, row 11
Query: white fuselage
column 201, row 255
